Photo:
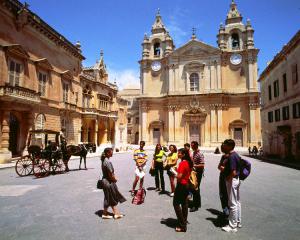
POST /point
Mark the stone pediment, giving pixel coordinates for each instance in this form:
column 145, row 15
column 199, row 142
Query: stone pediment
column 44, row 63
column 16, row 49
column 67, row 75
column 196, row 47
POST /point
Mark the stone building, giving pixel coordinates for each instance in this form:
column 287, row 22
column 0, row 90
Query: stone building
column 121, row 124
column 197, row 91
column 99, row 105
column 43, row 85
column 280, row 96
column 131, row 93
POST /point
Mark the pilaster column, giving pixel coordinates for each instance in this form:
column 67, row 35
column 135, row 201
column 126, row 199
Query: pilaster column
column 96, row 132
column 207, row 77
column 172, row 122
column 5, row 154
column 250, row 69
column 143, row 122
column 105, row 134
column 108, row 130
column 219, row 83
column 212, row 76
column 252, row 134
column 5, row 131
column 213, row 124
column 220, row 124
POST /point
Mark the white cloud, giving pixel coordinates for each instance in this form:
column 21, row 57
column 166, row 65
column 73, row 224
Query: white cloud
column 173, row 25
column 126, row 78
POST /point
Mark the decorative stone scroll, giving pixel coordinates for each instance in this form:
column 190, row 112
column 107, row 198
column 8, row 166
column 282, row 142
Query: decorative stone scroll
column 195, row 115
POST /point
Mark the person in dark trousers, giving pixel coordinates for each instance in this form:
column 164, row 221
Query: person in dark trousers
column 112, row 196
column 198, row 166
column 231, row 172
column 180, row 201
column 157, row 164
column 222, row 182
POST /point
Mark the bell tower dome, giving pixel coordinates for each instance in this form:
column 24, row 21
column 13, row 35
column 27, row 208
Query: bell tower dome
column 159, row 43
column 234, row 35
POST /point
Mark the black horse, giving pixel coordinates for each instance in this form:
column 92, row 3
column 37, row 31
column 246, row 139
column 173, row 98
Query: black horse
column 72, row 150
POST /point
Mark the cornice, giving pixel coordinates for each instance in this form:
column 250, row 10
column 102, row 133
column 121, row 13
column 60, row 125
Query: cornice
column 16, row 8
column 281, row 56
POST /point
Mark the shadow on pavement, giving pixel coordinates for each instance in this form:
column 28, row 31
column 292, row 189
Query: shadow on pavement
column 220, row 220
column 151, row 188
column 169, row 222
column 100, row 212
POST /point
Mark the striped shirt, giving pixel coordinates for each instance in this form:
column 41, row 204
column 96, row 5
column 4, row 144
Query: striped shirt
column 140, row 156
column 198, row 157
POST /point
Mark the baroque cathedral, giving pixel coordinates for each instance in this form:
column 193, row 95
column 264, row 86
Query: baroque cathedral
column 198, row 91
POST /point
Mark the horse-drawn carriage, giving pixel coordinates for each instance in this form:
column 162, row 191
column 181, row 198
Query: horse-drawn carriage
column 44, row 154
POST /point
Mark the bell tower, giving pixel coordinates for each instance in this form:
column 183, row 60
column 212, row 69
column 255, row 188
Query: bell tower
column 154, row 50
column 235, row 39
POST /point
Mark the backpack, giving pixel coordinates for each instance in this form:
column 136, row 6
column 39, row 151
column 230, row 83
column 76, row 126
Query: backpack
column 193, row 181
column 139, row 197
column 245, row 169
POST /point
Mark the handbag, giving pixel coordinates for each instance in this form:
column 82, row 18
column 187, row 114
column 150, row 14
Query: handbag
column 152, row 172
column 193, row 180
column 100, row 184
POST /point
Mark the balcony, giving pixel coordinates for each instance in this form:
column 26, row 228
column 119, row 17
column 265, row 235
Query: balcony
column 70, row 106
column 89, row 110
column 19, row 94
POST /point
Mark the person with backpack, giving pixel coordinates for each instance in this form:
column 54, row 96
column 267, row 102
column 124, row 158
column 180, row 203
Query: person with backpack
column 140, row 158
column 180, row 201
column 232, row 172
column 112, row 196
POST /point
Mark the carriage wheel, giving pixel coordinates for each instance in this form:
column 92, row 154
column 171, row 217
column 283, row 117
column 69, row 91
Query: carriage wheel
column 41, row 168
column 59, row 166
column 24, row 166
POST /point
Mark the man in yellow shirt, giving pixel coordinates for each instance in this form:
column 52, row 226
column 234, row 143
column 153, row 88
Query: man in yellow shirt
column 140, row 158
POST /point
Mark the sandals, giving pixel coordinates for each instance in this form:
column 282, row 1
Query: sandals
column 107, row 217
column 179, row 229
column 118, row 216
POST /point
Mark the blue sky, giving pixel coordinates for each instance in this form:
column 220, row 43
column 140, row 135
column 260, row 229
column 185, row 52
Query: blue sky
column 118, row 26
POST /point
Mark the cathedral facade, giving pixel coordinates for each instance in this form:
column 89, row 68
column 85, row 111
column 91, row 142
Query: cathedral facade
column 198, row 91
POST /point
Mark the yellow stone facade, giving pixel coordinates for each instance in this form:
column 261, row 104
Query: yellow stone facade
column 280, row 95
column 43, row 85
column 200, row 92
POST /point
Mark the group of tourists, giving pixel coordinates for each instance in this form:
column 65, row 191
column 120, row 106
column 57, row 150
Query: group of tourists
column 179, row 164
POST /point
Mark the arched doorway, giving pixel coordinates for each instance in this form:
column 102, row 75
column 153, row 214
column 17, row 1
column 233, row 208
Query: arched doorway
column 14, row 132
column 237, row 130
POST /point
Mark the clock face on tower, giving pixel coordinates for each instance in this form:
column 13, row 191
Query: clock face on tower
column 156, row 66
column 236, row 59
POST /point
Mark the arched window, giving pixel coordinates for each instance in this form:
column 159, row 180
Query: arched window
column 194, row 82
column 235, row 41
column 157, row 49
column 86, row 97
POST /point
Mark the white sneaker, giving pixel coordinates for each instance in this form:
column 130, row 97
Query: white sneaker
column 229, row 229
column 239, row 225
column 107, row 217
column 172, row 194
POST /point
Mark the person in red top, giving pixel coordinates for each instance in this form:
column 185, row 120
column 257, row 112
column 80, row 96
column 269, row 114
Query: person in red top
column 180, row 201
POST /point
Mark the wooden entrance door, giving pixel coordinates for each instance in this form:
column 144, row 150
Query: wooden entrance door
column 195, row 132
column 238, row 136
column 156, row 135
column 14, row 129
